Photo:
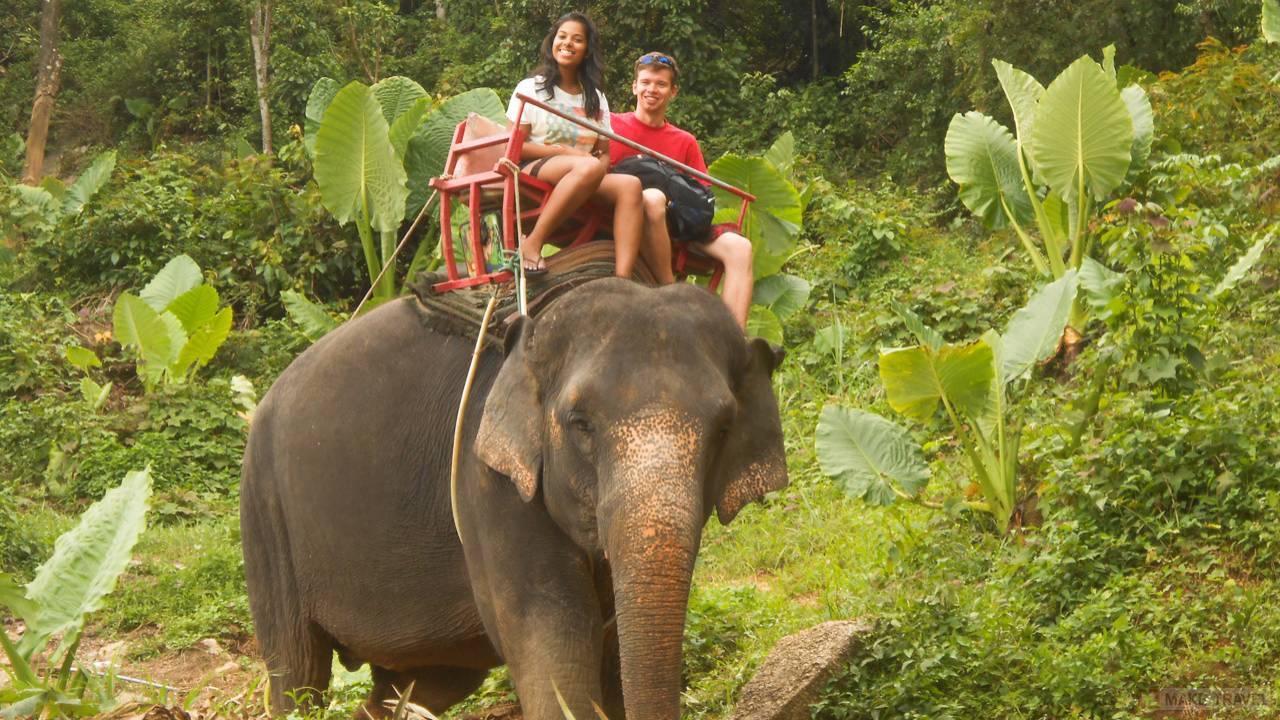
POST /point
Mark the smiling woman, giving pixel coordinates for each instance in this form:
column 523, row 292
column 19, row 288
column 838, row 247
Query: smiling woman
column 570, row 156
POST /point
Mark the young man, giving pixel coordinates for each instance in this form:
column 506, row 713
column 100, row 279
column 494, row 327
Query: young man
column 655, row 86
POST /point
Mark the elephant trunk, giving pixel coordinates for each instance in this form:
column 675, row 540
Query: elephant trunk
column 652, row 550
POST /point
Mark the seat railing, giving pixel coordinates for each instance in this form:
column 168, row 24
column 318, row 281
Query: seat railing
column 471, row 184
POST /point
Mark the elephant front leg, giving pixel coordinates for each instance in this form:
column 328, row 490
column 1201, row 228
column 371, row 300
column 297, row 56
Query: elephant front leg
column 548, row 626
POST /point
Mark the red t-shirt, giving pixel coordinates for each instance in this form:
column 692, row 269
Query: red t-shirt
column 669, row 140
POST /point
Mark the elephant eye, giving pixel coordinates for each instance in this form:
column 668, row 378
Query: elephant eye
column 580, row 422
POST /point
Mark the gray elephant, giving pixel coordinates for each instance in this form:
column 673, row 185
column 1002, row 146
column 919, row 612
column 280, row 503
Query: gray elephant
column 597, row 445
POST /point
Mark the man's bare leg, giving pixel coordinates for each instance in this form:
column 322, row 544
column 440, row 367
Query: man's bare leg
column 623, row 193
column 657, row 241
column 734, row 252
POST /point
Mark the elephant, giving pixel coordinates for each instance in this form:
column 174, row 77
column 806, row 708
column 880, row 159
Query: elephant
column 596, row 443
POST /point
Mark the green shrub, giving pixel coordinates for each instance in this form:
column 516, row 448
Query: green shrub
column 259, row 224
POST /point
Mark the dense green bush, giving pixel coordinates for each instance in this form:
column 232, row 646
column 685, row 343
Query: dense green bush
column 190, row 434
column 1225, row 103
column 259, row 224
column 927, row 61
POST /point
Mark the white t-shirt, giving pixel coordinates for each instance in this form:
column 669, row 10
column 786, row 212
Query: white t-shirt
column 547, row 129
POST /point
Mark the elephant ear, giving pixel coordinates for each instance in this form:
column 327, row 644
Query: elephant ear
column 754, row 459
column 510, row 436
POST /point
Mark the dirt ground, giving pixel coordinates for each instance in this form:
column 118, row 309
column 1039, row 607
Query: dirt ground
column 214, row 679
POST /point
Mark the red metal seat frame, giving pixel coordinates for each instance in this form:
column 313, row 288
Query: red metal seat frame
column 588, row 219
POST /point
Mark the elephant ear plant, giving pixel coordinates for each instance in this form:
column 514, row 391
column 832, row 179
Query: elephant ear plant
column 86, row 562
column 174, row 325
column 375, row 149
column 875, row 459
column 1075, row 143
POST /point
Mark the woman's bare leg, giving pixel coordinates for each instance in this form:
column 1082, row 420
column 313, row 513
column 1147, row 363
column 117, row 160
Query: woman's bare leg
column 656, row 249
column 623, row 193
column 734, row 252
column 575, row 178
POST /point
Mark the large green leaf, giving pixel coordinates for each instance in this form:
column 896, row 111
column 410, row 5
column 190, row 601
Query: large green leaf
column 15, row 598
column 1144, row 126
column 135, row 324
column 86, row 562
column 762, row 323
column 781, row 293
column 177, row 277
column 312, row 318
column 772, row 221
column 916, row 379
column 782, row 154
column 1082, row 135
column 869, row 452
column 203, row 343
column 1023, row 92
column 356, row 167
column 982, row 158
column 927, row 336
column 89, row 182
column 1101, row 287
column 82, row 357
column 407, row 124
column 195, row 307
column 397, row 94
column 869, row 455
column 317, row 102
column 424, row 158
column 1242, row 266
column 1035, row 329
column 1271, row 21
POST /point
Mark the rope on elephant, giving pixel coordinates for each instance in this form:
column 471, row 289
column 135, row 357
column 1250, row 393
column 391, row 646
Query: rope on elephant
column 462, row 409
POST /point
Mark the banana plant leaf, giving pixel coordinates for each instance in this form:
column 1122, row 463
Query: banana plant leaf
column 356, row 167
column 1083, row 136
column 195, row 307
column 869, row 455
column 773, row 220
column 396, row 95
column 1144, row 126
column 916, row 379
column 426, row 151
column 317, row 102
column 1035, row 329
column 763, row 323
column 783, row 294
column 89, row 182
column 982, row 158
column 177, row 277
column 85, row 564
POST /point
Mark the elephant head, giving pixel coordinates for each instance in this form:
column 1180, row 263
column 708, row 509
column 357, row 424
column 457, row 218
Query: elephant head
column 632, row 412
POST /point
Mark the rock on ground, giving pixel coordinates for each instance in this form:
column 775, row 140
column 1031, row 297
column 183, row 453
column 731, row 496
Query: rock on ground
column 796, row 669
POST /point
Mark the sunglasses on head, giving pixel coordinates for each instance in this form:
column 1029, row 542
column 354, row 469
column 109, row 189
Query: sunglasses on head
column 652, row 58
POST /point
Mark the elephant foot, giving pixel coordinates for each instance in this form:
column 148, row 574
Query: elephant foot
column 435, row 688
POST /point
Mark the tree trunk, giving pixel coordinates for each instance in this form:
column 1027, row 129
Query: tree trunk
column 813, row 18
column 260, row 39
column 440, row 14
column 48, row 79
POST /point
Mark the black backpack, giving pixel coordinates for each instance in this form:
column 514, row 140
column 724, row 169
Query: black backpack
column 690, row 204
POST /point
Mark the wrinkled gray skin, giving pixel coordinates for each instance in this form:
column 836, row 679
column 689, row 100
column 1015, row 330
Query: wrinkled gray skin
column 595, row 452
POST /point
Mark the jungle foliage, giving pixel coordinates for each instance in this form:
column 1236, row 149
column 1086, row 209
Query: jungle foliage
column 1031, row 534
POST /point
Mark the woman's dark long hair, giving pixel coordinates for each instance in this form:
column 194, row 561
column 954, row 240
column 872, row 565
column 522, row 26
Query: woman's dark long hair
column 590, row 72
